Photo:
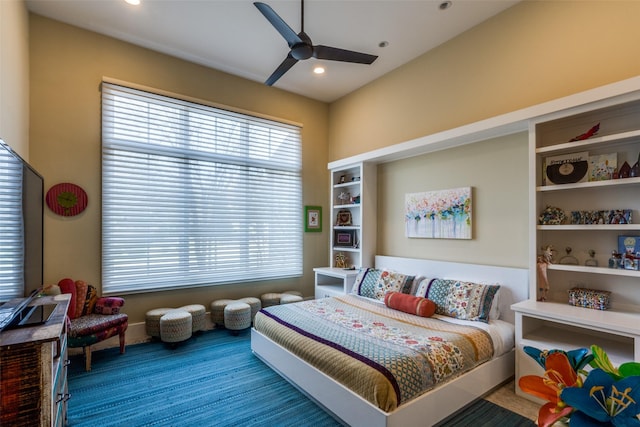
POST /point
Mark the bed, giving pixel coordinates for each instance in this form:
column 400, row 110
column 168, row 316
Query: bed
column 360, row 389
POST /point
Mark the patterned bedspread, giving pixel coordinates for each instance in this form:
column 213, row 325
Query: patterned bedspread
column 386, row 356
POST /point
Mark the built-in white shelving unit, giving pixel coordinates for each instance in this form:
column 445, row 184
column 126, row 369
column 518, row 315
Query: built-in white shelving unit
column 353, row 228
column 353, row 215
column 554, row 323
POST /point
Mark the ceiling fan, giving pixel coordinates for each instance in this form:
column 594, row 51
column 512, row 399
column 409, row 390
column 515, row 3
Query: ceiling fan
column 302, row 48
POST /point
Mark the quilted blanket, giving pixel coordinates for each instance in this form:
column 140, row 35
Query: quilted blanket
column 386, row 356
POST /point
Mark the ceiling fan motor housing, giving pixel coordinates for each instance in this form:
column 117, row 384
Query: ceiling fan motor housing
column 302, row 51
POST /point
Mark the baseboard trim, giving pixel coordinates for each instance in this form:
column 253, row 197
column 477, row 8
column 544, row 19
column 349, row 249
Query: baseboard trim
column 136, row 334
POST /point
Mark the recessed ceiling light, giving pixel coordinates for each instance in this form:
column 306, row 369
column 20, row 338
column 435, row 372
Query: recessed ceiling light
column 133, row 2
column 445, row 5
column 383, row 43
column 318, row 70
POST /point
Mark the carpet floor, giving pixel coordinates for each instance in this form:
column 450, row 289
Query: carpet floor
column 213, row 379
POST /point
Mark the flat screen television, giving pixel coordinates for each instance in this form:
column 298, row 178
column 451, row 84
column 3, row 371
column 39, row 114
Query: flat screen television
column 21, row 226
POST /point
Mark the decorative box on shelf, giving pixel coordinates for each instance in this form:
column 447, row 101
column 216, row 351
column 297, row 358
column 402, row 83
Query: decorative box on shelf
column 589, row 298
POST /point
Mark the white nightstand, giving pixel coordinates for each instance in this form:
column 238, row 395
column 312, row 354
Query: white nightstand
column 332, row 281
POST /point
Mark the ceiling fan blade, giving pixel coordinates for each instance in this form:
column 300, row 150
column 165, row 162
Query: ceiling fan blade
column 336, row 54
column 278, row 23
column 288, row 62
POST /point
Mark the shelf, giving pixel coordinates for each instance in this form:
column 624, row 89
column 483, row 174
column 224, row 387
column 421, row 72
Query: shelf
column 594, row 270
column 592, row 227
column 618, row 138
column 347, row 184
column 592, row 184
column 549, row 336
column 340, row 273
column 352, row 205
column 346, row 227
column 345, row 249
column 610, row 321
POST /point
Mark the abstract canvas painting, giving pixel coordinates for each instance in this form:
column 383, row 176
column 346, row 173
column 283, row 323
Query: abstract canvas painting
column 442, row 214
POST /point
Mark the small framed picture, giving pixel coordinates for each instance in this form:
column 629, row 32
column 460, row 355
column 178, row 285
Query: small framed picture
column 344, row 217
column 313, row 218
column 344, row 238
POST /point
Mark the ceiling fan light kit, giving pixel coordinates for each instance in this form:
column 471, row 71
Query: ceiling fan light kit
column 301, row 47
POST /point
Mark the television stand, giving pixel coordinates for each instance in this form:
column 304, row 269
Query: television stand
column 33, row 379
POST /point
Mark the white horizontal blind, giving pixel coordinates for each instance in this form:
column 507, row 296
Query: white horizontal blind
column 194, row 195
column 11, row 228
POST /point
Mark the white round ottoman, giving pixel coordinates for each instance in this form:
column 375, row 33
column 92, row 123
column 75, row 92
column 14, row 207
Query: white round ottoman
column 254, row 303
column 269, row 299
column 198, row 314
column 289, row 298
column 217, row 311
column 152, row 321
column 237, row 316
column 175, row 326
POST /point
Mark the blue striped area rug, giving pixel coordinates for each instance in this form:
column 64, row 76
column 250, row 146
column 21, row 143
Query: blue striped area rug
column 213, row 379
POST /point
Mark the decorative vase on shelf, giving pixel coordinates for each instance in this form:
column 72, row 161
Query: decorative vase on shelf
column 635, row 169
column 591, row 261
column 625, row 171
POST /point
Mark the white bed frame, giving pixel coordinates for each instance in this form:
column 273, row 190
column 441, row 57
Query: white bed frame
column 432, row 406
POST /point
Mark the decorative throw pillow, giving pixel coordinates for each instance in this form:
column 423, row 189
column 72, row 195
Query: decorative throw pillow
column 365, row 283
column 494, row 313
column 108, row 305
column 391, row 281
column 81, row 296
column 68, row 286
column 462, row 300
column 415, row 284
column 86, row 295
column 410, row 304
column 422, row 287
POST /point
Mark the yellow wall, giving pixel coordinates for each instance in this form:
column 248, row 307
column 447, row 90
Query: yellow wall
column 496, row 170
column 67, row 65
column 14, row 76
column 533, row 52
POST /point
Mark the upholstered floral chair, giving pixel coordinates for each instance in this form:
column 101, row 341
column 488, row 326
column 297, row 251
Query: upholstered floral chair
column 92, row 318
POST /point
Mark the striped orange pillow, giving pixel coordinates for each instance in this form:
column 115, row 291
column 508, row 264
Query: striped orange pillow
column 410, row 304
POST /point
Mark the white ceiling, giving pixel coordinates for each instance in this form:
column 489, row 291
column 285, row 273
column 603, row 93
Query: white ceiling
column 233, row 36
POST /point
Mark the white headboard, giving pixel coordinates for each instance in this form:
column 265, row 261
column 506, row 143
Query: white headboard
column 514, row 282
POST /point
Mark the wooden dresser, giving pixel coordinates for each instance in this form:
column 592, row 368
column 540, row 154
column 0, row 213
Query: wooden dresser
column 33, row 369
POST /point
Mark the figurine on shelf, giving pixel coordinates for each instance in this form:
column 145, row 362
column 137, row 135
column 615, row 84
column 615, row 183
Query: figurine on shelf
column 635, row 169
column 616, row 260
column 544, row 260
column 344, row 197
column 341, row 260
column 588, row 134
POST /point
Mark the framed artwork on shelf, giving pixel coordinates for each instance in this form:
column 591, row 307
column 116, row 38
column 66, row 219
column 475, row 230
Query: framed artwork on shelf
column 344, row 217
column 442, row 214
column 313, row 218
column 344, row 238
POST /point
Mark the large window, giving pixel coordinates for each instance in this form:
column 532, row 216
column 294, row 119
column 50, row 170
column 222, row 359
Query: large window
column 11, row 227
column 194, row 195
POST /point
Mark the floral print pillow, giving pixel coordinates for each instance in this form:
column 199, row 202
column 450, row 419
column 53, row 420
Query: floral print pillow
column 391, row 281
column 462, row 300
